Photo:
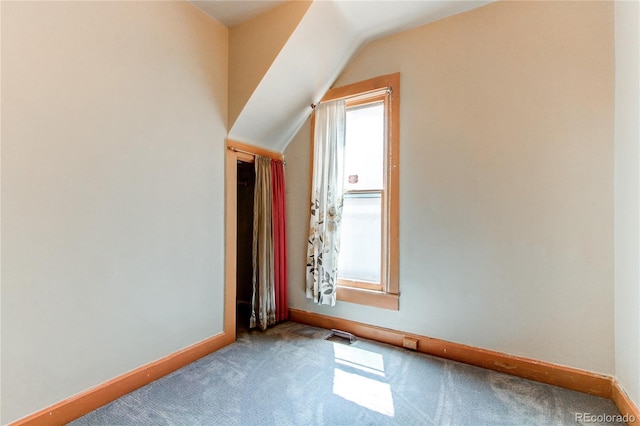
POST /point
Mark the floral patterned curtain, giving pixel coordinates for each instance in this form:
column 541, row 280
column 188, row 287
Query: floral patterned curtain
column 326, row 202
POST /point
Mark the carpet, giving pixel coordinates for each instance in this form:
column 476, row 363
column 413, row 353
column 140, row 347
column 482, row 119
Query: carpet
column 290, row 375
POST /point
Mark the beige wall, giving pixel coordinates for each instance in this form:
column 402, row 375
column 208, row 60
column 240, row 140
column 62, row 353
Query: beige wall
column 506, row 191
column 113, row 124
column 627, row 198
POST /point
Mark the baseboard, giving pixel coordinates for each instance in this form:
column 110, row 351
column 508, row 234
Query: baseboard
column 91, row 399
column 625, row 405
column 540, row 371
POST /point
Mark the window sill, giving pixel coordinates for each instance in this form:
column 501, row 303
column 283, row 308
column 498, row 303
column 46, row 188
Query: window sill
column 376, row 299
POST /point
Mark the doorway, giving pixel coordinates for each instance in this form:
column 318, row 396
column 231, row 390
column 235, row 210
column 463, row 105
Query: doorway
column 246, row 178
column 236, row 152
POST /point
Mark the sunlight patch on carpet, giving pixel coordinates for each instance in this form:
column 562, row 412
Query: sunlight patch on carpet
column 360, row 359
column 364, row 391
column 362, row 386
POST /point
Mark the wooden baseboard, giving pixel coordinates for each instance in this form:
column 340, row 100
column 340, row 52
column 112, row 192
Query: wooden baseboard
column 540, row 371
column 91, row 399
column 625, row 405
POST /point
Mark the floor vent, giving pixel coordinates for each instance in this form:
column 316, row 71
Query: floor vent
column 340, row 336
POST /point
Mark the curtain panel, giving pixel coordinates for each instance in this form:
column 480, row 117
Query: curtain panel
column 269, row 301
column 263, row 300
column 326, row 202
column 279, row 220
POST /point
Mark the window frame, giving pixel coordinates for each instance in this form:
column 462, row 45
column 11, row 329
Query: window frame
column 387, row 294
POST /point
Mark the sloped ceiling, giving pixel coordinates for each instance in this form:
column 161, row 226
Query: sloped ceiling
column 310, row 60
column 233, row 12
column 254, row 45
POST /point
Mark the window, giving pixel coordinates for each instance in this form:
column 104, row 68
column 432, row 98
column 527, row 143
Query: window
column 368, row 261
column 360, row 261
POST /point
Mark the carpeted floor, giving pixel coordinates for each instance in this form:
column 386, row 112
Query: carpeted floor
column 290, row 375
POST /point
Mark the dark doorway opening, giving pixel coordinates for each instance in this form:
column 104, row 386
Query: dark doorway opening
column 244, row 267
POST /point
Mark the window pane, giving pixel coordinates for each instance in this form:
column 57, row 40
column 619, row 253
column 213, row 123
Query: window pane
column 364, row 147
column 360, row 242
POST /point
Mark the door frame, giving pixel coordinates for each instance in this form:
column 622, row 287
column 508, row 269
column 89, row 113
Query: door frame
column 243, row 152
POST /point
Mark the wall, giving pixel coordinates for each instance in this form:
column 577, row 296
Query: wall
column 506, row 182
column 113, row 127
column 627, row 198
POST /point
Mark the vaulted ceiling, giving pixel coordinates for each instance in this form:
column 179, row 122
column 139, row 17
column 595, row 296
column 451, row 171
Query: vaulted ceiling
column 283, row 59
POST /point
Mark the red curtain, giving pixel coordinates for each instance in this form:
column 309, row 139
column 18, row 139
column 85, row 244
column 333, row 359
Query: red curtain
column 279, row 229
